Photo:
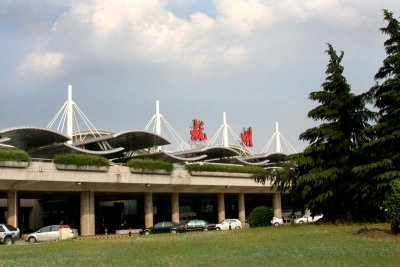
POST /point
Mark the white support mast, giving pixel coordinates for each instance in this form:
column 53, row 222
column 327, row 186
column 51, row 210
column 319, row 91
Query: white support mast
column 70, row 115
column 226, row 129
column 157, row 122
column 278, row 137
column 158, row 118
column 66, row 117
column 225, row 141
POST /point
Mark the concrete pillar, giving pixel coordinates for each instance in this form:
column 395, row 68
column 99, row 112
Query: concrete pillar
column 241, row 208
column 175, row 207
column 87, row 213
column 36, row 215
column 221, row 207
column 12, row 208
column 276, row 204
column 148, row 209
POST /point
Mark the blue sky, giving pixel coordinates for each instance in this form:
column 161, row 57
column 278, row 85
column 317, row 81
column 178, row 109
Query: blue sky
column 255, row 60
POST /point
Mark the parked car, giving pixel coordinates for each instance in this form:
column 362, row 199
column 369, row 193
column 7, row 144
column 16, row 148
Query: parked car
column 163, row 227
column 198, row 225
column 50, row 233
column 8, row 234
column 277, row 221
column 228, row 224
column 308, row 218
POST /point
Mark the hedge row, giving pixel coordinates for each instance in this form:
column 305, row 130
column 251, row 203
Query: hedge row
column 255, row 170
column 80, row 160
column 149, row 164
column 14, row 155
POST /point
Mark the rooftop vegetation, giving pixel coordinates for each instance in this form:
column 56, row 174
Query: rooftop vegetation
column 14, row 155
column 150, row 164
column 80, row 160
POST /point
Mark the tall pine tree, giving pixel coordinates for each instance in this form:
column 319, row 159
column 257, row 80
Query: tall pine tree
column 324, row 168
column 383, row 151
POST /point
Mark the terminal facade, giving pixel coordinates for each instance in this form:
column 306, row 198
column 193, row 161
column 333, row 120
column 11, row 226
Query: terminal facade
column 118, row 198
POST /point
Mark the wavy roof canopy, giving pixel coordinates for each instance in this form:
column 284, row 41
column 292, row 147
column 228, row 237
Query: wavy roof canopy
column 166, row 156
column 28, row 138
column 129, row 140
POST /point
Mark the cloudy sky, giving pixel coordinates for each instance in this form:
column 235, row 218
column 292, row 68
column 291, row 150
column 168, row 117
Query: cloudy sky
column 256, row 60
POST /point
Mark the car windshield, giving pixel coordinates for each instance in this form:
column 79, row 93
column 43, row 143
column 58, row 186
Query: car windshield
column 10, row 227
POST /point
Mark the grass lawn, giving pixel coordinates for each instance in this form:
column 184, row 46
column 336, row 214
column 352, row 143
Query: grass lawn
column 305, row 245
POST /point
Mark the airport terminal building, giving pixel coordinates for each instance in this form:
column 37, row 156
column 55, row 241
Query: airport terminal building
column 117, row 198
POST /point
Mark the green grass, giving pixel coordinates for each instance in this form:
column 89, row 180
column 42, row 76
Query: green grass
column 226, row 168
column 308, row 245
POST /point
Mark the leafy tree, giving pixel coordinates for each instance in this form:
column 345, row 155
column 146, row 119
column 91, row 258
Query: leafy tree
column 324, row 168
column 383, row 151
column 392, row 205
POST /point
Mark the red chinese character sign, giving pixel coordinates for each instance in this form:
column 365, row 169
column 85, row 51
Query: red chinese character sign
column 197, row 132
column 247, row 137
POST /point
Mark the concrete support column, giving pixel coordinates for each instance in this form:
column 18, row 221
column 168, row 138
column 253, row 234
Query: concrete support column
column 241, row 208
column 175, row 207
column 276, row 204
column 87, row 213
column 12, row 208
column 35, row 216
column 221, row 207
column 148, row 209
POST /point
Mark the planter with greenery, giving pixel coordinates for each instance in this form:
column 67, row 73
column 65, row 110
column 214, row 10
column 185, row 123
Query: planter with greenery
column 81, row 162
column 14, row 158
column 225, row 170
column 150, row 166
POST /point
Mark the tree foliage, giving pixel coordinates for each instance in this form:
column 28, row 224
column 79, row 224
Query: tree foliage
column 323, row 169
column 391, row 205
column 383, row 151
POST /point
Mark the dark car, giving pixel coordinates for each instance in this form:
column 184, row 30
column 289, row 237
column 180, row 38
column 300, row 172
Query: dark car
column 198, row 225
column 163, row 227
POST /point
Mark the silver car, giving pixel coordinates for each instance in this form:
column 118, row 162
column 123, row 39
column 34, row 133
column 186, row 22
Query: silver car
column 49, row 233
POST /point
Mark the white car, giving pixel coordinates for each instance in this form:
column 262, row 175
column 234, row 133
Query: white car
column 308, row 218
column 50, row 233
column 228, row 224
column 276, row 221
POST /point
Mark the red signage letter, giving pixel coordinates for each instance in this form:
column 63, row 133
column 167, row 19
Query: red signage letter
column 197, row 134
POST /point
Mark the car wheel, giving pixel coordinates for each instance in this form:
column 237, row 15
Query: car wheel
column 32, row 240
column 301, row 222
column 7, row 241
column 205, row 229
column 237, row 227
column 218, row 229
column 276, row 224
column 146, row 233
column 173, row 231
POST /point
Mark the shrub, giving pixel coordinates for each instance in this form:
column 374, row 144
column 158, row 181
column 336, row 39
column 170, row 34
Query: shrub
column 226, row 168
column 392, row 206
column 14, row 155
column 80, row 160
column 150, row 164
column 261, row 216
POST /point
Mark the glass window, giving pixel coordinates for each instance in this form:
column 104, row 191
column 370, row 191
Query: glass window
column 45, row 229
column 192, row 223
column 168, row 224
column 158, row 225
column 10, row 227
column 55, row 228
column 200, row 223
column 2, row 229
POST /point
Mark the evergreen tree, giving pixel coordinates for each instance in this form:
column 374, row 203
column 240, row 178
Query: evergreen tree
column 383, row 151
column 324, row 168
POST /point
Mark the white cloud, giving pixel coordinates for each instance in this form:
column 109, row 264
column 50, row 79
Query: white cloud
column 145, row 32
column 41, row 64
